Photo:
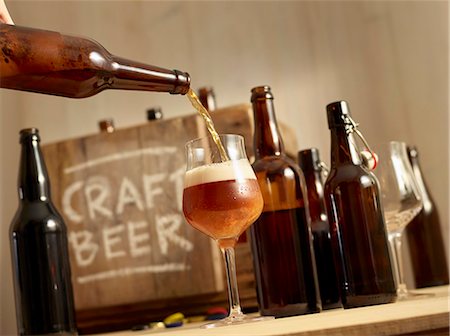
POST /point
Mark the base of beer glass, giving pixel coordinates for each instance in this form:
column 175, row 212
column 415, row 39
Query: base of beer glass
column 237, row 319
column 404, row 294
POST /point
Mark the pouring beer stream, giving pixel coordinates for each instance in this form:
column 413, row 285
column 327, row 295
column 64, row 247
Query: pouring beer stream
column 195, row 101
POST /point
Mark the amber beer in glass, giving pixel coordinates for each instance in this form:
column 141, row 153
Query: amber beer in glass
column 222, row 198
column 227, row 205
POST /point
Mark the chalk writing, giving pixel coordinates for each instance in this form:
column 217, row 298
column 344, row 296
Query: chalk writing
column 177, row 177
column 150, row 191
column 66, row 200
column 168, row 267
column 128, row 194
column 98, row 192
column 96, row 204
column 83, row 246
column 137, row 248
column 114, row 243
column 167, row 227
column 121, row 156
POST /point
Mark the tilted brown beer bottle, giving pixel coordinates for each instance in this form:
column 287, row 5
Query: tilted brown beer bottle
column 207, row 97
column 40, row 259
column 51, row 63
column 281, row 237
column 358, row 230
column 312, row 168
column 424, row 236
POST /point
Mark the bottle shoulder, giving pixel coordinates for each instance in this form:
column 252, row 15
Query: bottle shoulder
column 37, row 217
column 276, row 165
column 281, row 182
column 349, row 174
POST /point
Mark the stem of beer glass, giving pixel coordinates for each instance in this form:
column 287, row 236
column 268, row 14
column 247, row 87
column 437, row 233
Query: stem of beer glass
column 395, row 240
column 233, row 294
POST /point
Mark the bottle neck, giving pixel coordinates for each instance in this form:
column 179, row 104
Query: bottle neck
column 33, row 181
column 130, row 75
column 314, row 187
column 267, row 137
column 343, row 148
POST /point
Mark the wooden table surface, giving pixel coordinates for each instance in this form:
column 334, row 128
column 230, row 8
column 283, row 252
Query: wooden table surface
column 422, row 316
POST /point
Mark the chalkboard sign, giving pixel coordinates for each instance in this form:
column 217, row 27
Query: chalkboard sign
column 120, row 195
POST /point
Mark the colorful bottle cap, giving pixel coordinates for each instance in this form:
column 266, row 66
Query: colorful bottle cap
column 216, row 313
column 174, row 320
column 370, row 159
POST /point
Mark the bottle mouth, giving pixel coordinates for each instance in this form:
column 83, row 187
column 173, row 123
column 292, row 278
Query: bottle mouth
column 337, row 113
column 308, row 159
column 182, row 84
column 29, row 132
column 261, row 92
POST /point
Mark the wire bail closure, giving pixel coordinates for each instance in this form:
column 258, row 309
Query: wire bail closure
column 324, row 170
column 369, row 157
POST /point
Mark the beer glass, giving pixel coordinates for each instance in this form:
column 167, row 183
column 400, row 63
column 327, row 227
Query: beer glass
column 401, row 203
column 221, row 198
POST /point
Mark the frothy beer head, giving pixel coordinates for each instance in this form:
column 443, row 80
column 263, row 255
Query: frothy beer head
column 238, row 170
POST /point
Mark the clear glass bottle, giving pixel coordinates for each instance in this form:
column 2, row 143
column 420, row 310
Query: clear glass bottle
column 281, row 237
column 311, row 165
column 39, row 249
column 424, row 235
column 52, row 63
column 357, row 226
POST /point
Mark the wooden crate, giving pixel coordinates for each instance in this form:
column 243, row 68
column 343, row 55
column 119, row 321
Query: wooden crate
column 133, row 257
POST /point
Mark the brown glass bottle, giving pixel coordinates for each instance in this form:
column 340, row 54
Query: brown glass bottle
column 358, row 231
column 424, row 236
column 207, row 97
column 310, row 163
column 154, row 113
column 281, row 237
column 51, row 63
column 40, row 258
column 106, row 125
